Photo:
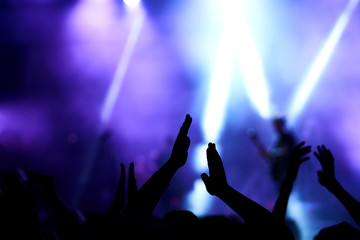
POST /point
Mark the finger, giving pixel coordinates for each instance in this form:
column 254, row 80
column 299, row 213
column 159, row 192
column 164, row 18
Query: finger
column 328, row 153
column 320, row 158
column 298, row 153
column 121, row 188
column 303, row 160
column 305, row 150
column 251, row 132
column 300, row 145
column 320, row 177
column 185, row 126
column 205, row 178
column 319, row 149
column 210, row 157
column 324, row 149
column 122, row 177
column 211, row 146
column 132, row 187
column 213, row 157
column 320, row 152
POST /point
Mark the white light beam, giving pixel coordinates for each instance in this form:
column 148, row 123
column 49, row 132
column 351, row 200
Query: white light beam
column 317, row 68
column 250, row 62
column 114, row 89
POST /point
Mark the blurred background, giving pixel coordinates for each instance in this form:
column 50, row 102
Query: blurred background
column 88, row 84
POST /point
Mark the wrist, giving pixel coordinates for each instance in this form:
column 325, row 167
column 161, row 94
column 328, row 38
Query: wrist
column 170, row 167
column 224, row 192
column 286, row 186
column 333, row 186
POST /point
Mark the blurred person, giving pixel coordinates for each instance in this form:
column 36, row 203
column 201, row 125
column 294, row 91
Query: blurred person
column 278, row 154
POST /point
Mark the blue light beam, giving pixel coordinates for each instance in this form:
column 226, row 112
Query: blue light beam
column 212, row 121
column 317, row 68
column 219, row 88
column 249, row 61
column 108, row 105
column 114, row 89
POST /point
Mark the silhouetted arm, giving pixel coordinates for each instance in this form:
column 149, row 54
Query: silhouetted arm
column 258, row 144
column 150, row 193
column 296, row 159
column 328, row 180
column 261, row 222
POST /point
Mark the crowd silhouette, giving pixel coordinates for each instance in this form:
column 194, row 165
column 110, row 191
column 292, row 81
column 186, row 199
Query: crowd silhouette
column 130, row 215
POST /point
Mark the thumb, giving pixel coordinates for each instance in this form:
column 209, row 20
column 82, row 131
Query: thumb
column 320, row 176
column 205, row 178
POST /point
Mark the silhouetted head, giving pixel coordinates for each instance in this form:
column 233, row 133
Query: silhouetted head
column 180, row 224
column 222, row 227
column 342, row 230
column 279, row 124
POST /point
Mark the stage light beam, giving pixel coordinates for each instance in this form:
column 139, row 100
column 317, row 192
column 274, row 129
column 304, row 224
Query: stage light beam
column 131, row 3
column 109, row 103
column 248, row 57
column 314, row 73
column 235, row 42
column 219, row 87
column 213, row 118
column 114, row 89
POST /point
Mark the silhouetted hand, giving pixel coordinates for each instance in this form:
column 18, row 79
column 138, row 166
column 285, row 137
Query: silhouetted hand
column 260, row 222
column 120, row 196
column 296, row 159
column 216, row 182
column 252, row 134
column 327, row 175
column 132, row 187
column 150, row 193
column 328, row 180
column 179, row 152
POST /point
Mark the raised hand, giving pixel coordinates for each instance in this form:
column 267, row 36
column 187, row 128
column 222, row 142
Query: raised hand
column 260, row 222
column 146, row 199
column 328, row 180
column 132, row 187
column 298, row 156
column 327, row 175
column 216, row 182
column 252, row 134
column 179, row 153
column 120, row 196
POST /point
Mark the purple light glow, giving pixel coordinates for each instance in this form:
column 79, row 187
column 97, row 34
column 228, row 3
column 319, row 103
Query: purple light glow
column 63, row 60
column 121, row 68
